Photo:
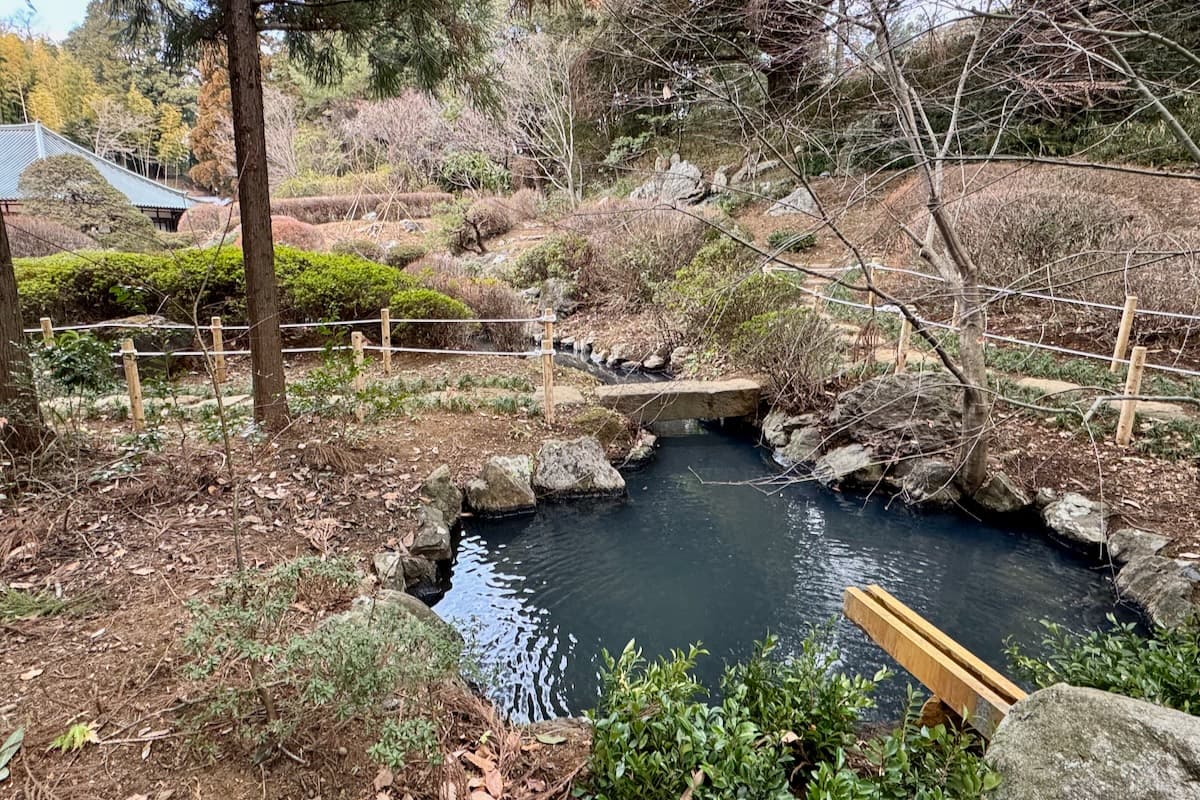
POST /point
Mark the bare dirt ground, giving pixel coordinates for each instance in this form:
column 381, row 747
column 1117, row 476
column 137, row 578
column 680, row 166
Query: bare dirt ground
column 133, row 549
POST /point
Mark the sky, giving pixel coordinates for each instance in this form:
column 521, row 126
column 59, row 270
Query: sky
column 51, row 18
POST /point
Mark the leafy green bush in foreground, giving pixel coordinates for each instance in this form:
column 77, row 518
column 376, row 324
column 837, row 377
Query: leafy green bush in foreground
column 782, row 726
column 1163, row 668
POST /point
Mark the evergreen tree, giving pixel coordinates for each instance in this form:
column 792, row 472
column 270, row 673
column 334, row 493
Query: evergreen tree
column 212, row 136
column 426, row 42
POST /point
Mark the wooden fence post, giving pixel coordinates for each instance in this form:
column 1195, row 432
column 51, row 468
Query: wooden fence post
column 902, row 344
column 134, row 382
column 1133, row 386
column 548, row 364
column 1127, row 316
column 385, row 338
column 218, row 349
column 47, row 331
column 360, row 376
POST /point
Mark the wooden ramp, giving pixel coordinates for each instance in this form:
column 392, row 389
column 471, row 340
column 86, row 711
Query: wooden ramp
column 959, row 679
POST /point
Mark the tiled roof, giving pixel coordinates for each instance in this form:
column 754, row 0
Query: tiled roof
column 21, row 145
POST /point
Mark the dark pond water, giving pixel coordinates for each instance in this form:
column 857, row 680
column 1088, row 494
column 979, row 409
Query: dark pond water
column 684, row 561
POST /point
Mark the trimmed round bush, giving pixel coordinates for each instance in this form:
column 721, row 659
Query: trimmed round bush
column 560, row 256
column 292, row 232
column 330, row 286
column 33, row 237
column 401, row 255
column 428, row 304
column 363, row 248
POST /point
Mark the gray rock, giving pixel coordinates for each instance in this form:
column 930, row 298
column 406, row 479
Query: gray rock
column 390, row 600
column 441, row 492
column 672, row 400
column 1078, row 522
column 559, row 294
column 1165, row 588
column 680, row 183
column 503, row 486
column 679, row 355
column 1068, row 743
column 432, row 540
column 720, row 180
column 799, row 201
column 1044, row 497
column 411, row 225
column 901, row 415
column 803, row 446
column 852, row 464
column 643, row 448
column 599, row 356
column 930, row 481
column 577, row 467
column 751, row 170
column 1000, row 494
column 777, row 426
column 654, row 362
column 401, row 571
column 1130, row 544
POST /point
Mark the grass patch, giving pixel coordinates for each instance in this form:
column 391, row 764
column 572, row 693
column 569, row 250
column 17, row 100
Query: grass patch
column 18, row 604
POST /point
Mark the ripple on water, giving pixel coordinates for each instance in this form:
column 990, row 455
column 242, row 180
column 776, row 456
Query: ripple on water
column 683, row 561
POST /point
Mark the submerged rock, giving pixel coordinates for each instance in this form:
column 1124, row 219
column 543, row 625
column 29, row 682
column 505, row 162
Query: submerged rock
column 577, row 467
column 778, row 425
column 643, row 448
column 929, row 481
column 1165, row 588
column 852, row 464
column 902, row 415
column 1078, row 522
column 443, row 495
column 1000, row 494
column 503, row 486
column 1068, row 743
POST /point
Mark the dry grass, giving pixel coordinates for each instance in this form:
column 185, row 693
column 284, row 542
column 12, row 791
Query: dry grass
column 32, row 237
column 488, row 297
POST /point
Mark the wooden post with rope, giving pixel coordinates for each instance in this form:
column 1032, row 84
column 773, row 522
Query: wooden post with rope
column 218, row 350
column 360, row 376
column 902, row 344
column 385, row 338
column 47, row 331
column 1127, row 315
column 1133, row 386
column 133, row 382
column 548, row 364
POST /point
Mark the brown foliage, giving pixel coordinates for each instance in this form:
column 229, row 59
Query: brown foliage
column 292, row 232
column 31, row 237
column 490, row 298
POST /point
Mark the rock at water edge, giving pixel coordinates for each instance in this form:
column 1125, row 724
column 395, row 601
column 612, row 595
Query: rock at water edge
column 441, row 492
column 577, row 467
column 503, row 486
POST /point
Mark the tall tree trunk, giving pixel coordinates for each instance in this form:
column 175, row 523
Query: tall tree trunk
column 250, row 146
column 24, row 431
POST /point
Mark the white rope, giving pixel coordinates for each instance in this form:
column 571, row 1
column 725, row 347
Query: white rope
column 178, row 326
column 342, row 348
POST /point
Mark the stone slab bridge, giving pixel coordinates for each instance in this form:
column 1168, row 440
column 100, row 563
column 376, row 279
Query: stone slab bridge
column 675, row 400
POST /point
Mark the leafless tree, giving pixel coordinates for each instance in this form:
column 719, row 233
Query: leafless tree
column 281, row 124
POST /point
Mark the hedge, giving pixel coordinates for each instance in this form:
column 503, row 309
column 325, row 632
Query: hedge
column 208, row 219
column 94, row 286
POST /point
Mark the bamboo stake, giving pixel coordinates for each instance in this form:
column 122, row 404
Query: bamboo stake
column 134, row 382
column 1127, row 315
column 360, row 377
column 385, row 338
column 1133, row 386
column 218, row 349
column 47, row 331
column 548, row 364
column 902, row 345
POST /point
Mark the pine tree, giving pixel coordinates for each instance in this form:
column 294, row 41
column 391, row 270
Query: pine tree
column 426, row 42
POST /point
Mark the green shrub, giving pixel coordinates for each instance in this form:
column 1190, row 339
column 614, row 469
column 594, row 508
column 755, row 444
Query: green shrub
column 318, row 286
column 462, row 226
column 560, row 256
column 791, row 241
column 76, row 363
column 471, row 169
column 363, row 248
column 1163, row 667
column 271, row 676
column 428, row 304
column 401, row 255
column 796, row 350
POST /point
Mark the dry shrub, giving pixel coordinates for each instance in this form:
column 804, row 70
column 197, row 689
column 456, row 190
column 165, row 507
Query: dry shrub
column 1074, row 234
column 33, row 237
column 523, row 204
column 797, row 351
column 410, row 205
column 319, row 210
column 463, row 226
column 294, row 233
column 206, row 219
column 490, row 298
column 635, row 249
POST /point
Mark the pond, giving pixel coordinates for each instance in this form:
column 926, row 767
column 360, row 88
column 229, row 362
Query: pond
column 694, row 554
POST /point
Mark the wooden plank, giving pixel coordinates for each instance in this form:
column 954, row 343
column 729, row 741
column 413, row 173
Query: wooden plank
column 964, row 657
column 982, row 707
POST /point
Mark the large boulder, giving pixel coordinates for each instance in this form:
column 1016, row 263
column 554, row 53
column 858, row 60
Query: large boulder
column 1068, row 743
column 679, row 183
column 442, row 494
column 503, row 486
column 1078, row 522
column 402, row 571
column 1167, row 589
column 365, row 607
column 799, row 201
column 777, row 426
column 1130, row 544
column 902, row 415
column 576, row 467
column 803, row 446
column 849, row 465
column 433, row 535
column 1000, row 494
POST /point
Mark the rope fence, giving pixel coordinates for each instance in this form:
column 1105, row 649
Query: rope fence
column 129, row 354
